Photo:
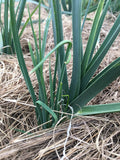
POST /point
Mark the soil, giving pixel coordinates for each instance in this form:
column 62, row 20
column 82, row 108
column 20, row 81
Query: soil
column 91, row 137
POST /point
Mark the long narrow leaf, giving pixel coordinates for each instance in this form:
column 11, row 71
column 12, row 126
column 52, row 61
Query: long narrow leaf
column 21, row 59
column 97, row 109
column 51, row 86
column 40, row 42
column 45, row 34
column 20, row 14
column 48, row 110
column 6, row 26
column 86, row 12
column 91, row 39
column 91, row 9
column 18, row 6
column 35, row 38
column 99, row 27
column 77, row 44
column 27, row 21
column 58, row 37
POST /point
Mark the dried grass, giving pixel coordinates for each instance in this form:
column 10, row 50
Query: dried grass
column 89, row 138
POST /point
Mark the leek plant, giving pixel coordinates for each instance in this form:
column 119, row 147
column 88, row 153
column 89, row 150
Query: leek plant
column 6, row 39
column 83, row 85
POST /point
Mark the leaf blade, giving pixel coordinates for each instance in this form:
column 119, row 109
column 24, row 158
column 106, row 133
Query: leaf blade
column 91, row 39
column 99, row 109
column 77, row 49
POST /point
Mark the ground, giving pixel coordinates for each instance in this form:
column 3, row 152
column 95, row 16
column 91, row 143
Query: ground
column 91, row 137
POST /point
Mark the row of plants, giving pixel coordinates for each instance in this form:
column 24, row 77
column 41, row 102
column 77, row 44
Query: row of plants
column 67, row 98
column 67, row 5
column 6, row 39
column 114, row 5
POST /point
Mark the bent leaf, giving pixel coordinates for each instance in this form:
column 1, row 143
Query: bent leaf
column 48, row 110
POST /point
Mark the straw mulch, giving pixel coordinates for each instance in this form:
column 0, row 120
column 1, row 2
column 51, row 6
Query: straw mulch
column 79, row 138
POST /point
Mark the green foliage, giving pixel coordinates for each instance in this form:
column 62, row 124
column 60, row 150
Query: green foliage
column 6, row 39
column 83, row 86
column 82, row 89
column 115, row 6
column 67, row 6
